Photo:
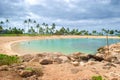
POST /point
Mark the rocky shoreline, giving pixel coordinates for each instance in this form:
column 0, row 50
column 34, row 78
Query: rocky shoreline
column 80, row 66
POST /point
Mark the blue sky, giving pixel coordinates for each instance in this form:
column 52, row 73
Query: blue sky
column 82, row 14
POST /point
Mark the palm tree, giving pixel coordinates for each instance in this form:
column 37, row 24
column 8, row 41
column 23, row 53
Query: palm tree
column 1, row 29
column 53, row 28
column 34, row 22
column 43, row 24
column 7, row 21
column 68, row 31
column 1, row 23
column 25, row 22
column 46, row 28
column 107, row 42
column 29, row 21
column 37, row 26
column 41, row 30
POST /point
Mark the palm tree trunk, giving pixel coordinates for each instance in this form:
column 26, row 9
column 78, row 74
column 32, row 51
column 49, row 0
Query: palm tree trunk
column 107, row 44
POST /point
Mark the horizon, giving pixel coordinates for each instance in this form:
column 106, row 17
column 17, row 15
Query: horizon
column 80, row 14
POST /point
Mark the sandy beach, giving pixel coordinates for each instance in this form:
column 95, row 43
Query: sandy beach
column 6, row 42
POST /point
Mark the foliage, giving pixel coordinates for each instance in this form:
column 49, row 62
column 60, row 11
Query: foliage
column 7, row 60
column 37, row 71
column 97, row 78
column 32, row 27
column 29, row 69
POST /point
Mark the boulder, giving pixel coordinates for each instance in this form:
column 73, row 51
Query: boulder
column 35, row 59
column 27, row 57
column 114, row 79
column 64, row 58
column 82, row 63
column 4, row 68
column 26, row 73
column 75, row 63
column 40, row 55
column 46, row 61
column 20, row 67
column 96, row 58
column 77, row 55
column 58, row 60
column 112, row 54
column 34, row 77
column 84, row 58
column 91, row 62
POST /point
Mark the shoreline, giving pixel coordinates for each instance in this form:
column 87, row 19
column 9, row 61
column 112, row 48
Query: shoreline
column 7, row 42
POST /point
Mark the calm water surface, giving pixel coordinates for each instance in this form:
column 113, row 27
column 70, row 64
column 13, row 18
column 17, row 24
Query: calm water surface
column 66, row 46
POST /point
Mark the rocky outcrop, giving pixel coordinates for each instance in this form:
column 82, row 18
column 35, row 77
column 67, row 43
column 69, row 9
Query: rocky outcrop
column 110, row 53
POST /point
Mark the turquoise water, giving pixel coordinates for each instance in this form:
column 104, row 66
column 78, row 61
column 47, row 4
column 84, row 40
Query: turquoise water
column 66, row 46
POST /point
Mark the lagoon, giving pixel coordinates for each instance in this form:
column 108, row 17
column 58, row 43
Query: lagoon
column 65, row 46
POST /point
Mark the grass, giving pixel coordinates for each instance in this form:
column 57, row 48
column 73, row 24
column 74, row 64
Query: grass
column 97, row 78
column 38, row 71
column 8, row 60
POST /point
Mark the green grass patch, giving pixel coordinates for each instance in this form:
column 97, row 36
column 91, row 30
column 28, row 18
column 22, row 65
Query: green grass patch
column 97, row 78
column 8, row 60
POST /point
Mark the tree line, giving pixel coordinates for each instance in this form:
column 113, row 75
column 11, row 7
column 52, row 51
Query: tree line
column 33, row 27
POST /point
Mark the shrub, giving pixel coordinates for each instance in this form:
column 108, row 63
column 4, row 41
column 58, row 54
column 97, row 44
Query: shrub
column 97, row 78
column 8, row 60
column 36, row 71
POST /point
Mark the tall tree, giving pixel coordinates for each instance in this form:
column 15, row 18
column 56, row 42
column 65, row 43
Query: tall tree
column 7, row 22
column 1, row 29
column 38, row 26
column 34, row 22
column 46, row 29
column 29, row 21
column 25, row 22
column 1, row 24
column 53, row 28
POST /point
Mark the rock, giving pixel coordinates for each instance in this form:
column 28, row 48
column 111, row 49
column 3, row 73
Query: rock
column 82, row 63
column 106, row 67
column 92, row 59
column 46, row 61
column 96, row 58
column 40, row 55
column 38, row 71
column 26, row 73
column 20, row 67
column 114, row 79
column 75, row 70
column 113, row 59
column 84, row 58
column 34, row 77
column 76, row 55
column 91, row 62
column 4, row 68
column 75, row 63
column 27, row 57
column 58, row 60
column 64, row 58
column 35, row 59
column 112, row 54
column 110, row 64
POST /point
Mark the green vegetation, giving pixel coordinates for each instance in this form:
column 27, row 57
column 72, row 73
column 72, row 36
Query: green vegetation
column 97, row 78
column 29, row 69
column 8, row 60
column 32, row 27
column 37, row 71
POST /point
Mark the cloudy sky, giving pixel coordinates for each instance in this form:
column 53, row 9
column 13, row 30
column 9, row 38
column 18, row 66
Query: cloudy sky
column 82, row 14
